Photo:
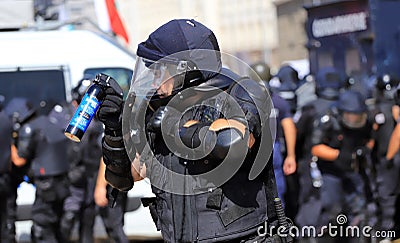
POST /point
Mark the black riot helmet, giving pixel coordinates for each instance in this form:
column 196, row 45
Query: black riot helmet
column 182, row 50
column 352, row 108
column 20, row 110
column 287, row 80
column 386, row 82
column 386, row 86
column 262, row 70
column 329, row 81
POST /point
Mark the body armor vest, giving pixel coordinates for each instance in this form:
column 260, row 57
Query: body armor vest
column 50, row 158
column 5, row 144
column 227, row 212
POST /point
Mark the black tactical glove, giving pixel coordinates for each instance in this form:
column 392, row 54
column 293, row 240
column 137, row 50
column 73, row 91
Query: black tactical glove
column 118, row 165
column 387, row 163
column 344, row 160
column 110, row 111
column 154, row 123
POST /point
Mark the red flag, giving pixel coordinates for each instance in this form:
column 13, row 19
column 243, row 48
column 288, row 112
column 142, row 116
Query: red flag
column 115, row 21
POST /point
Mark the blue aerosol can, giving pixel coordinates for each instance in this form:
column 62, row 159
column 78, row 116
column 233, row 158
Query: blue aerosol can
column 85, row 112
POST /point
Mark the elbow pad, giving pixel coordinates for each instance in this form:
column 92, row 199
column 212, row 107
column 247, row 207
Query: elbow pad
column 232, row 141
column 118, row 165
column 226, row 140
column 26, row 148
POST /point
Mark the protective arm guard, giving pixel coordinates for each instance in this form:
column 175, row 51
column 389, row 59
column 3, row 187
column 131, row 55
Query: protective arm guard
column 118, row 166
column 224, row 135
column 26, row 143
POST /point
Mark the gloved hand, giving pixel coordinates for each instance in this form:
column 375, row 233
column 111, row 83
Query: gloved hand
column 154, row 123
column 168, row 116
column 387, row 163
column 344, row 159
column 110, row 111
column 361, row 152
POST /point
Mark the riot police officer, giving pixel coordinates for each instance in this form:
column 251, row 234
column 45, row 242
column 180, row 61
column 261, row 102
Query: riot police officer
column 386, row 169
column 84, row 165
column 20, row 110
column 288, row 83
column 328, row 87
column 185, row 132
column 341, row 141
column 5, row 164
column 42, row 142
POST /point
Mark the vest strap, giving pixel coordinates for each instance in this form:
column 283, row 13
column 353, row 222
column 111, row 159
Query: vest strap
column 233, row 213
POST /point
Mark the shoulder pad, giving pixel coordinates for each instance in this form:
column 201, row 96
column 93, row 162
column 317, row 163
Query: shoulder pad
column 250, row 91
column 380, row 118
column 324, row 122
column 26, row 131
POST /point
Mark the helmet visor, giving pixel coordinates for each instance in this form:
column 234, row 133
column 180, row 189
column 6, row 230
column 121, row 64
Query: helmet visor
column 158, row 77
column 354, row 120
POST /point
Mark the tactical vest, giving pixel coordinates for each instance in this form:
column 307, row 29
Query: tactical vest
column 50, row 158
column 5, row 144
column 227, row 212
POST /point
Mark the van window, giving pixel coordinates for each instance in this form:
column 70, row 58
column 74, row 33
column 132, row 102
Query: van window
column 36, row 85
column 121, row 75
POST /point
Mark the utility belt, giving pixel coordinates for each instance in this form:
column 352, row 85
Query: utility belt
column 52, row 188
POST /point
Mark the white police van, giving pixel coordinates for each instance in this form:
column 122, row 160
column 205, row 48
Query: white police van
column 45, row 65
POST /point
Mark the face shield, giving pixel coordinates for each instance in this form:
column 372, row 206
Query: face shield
column 161, row 78
column 354, row 120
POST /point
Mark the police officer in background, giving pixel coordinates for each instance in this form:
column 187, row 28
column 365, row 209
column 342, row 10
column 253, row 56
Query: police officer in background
column 287, row 80
column 5, row 165
column 84, row 165
column 20, row 110
column 386, row 171
column 182, row 56
column 328, row 87
column 42, row 142
column 342, row 142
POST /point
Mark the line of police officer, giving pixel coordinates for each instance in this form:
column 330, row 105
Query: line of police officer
column 64, row 173
column 342, row 164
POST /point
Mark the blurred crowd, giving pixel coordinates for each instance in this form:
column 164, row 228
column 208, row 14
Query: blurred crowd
column 336, row 148
column 64, row 173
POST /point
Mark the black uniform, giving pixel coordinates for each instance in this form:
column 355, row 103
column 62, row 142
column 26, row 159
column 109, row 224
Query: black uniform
column 20, row 110
column 387, row 173
column 85, row 158
column 189, row 207
column 5, row 165
column 42, row 141
column 344, row 184
column 328, row 85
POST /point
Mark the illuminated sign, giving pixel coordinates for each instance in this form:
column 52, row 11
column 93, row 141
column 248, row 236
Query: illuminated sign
column 339, row 24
